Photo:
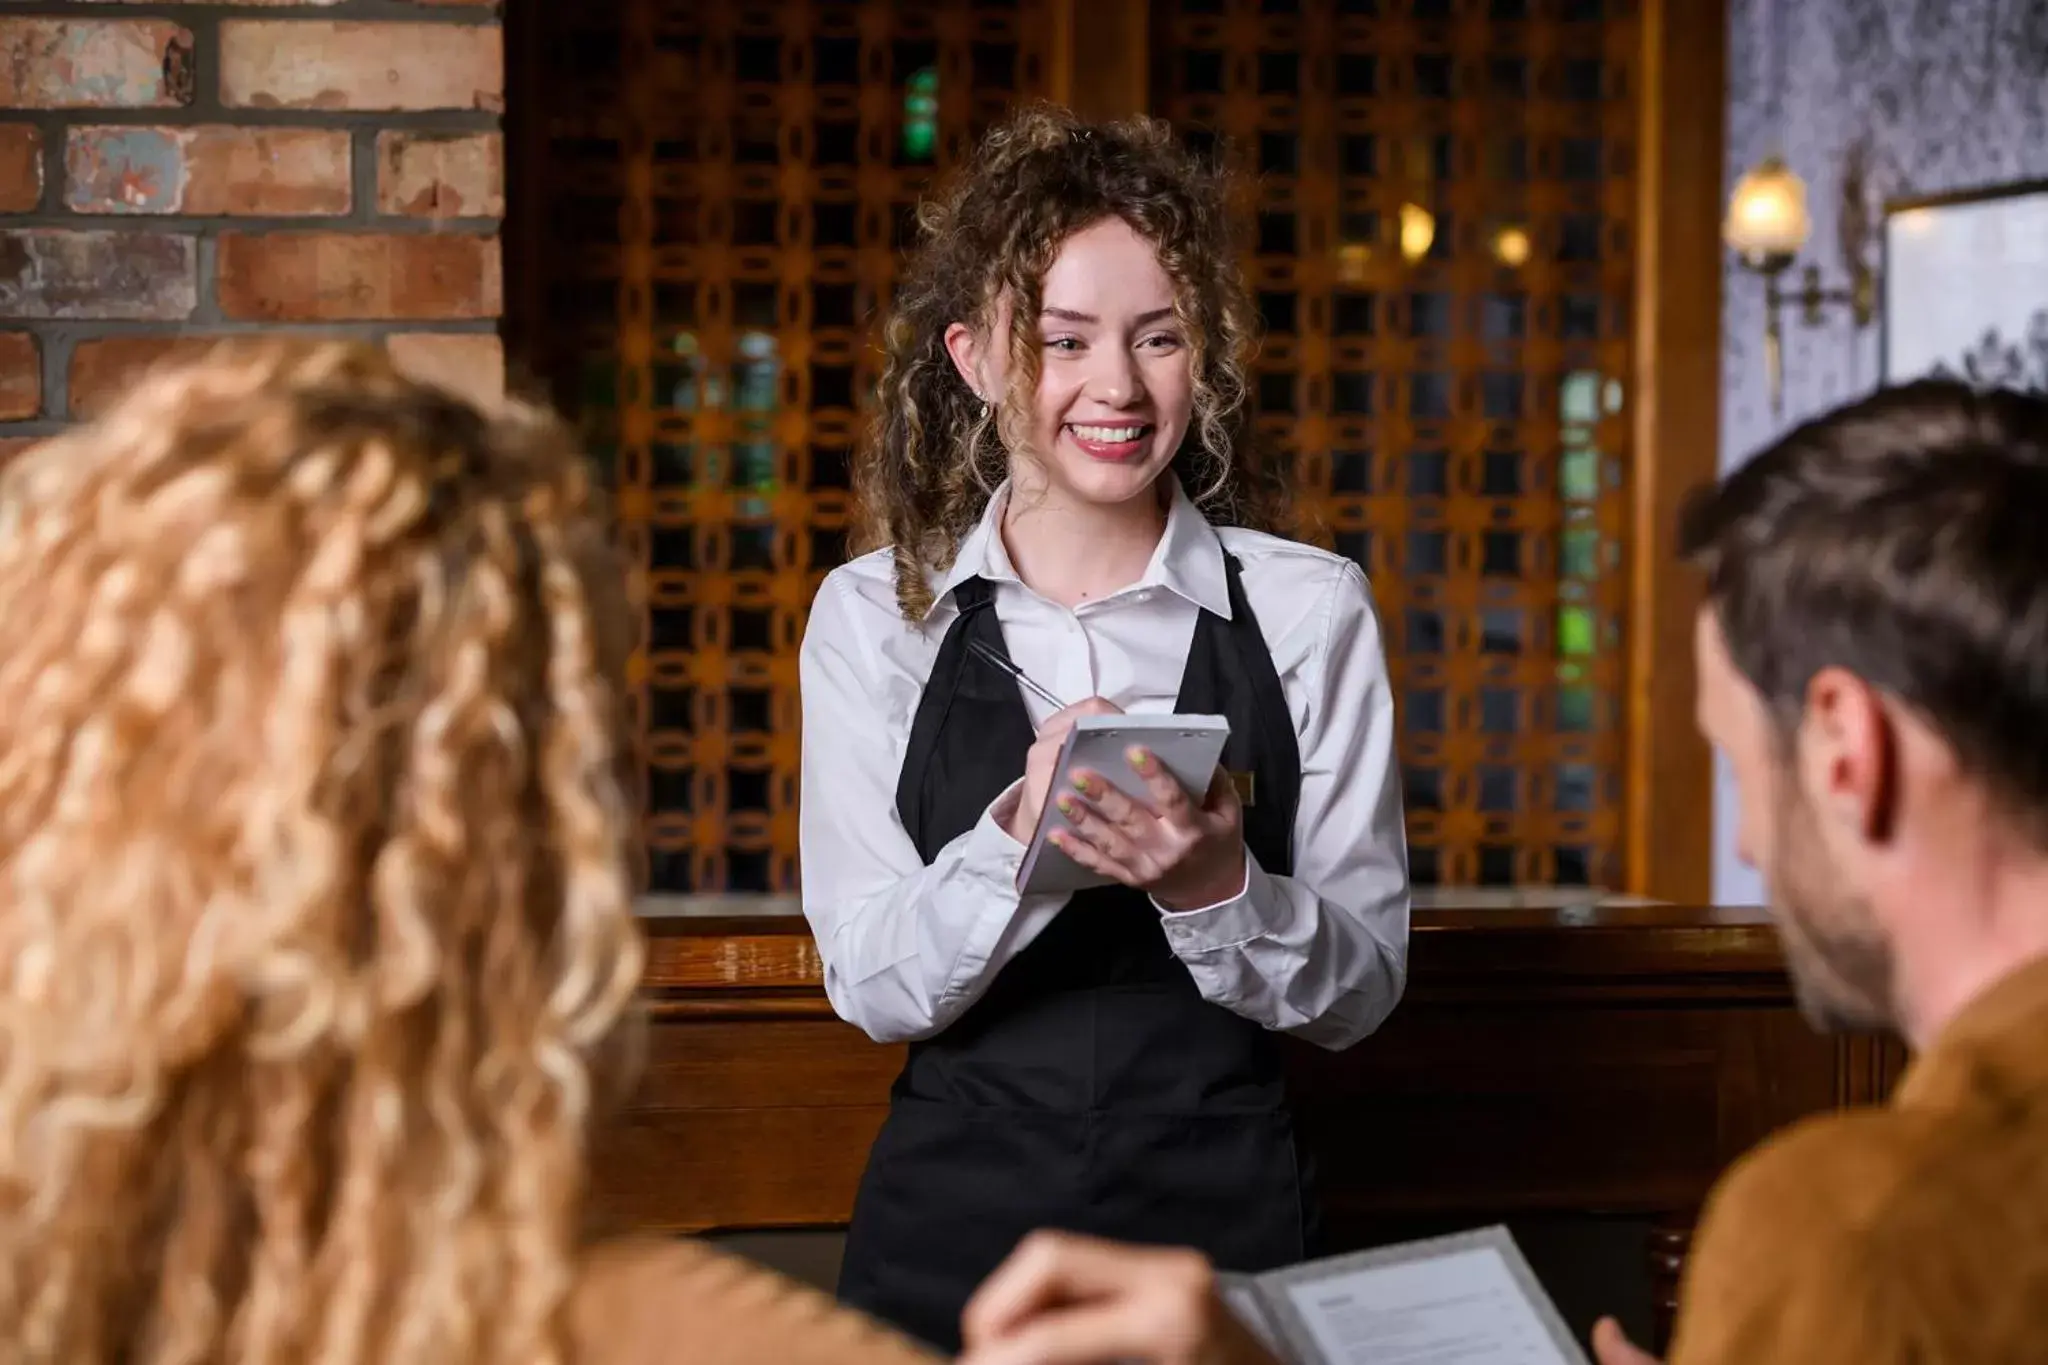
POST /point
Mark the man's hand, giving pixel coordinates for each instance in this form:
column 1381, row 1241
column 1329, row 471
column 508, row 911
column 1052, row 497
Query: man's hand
column 1067, row 1300
column 1611, row 1346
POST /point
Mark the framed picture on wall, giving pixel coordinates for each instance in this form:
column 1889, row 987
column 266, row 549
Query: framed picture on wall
column 1966, row 287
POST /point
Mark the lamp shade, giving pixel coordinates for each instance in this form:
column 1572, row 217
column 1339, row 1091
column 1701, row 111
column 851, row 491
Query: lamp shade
column 1767, row 219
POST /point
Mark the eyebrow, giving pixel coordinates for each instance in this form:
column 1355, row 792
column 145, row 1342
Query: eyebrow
column 1069, row 315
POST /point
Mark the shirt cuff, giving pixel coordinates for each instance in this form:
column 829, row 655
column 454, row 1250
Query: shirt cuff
column 1226, row 924
column 989, row 844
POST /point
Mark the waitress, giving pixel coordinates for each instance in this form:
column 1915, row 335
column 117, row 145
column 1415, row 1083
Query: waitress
column 1062, row 471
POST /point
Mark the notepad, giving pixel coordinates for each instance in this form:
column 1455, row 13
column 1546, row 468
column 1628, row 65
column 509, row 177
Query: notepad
column 1188, row 746
column 1467, row 1299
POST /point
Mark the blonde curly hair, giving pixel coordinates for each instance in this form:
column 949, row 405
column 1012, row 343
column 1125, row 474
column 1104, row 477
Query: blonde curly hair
column 317, row 921
column 934, row 453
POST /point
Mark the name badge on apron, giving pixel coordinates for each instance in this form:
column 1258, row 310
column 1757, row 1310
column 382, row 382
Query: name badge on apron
column 1246, row 787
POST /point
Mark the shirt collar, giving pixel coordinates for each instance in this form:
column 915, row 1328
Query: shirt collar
column 1187, row 562
column 1992, row 1046
column 981, row 551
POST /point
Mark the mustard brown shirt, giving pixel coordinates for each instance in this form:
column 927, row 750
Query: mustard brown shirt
column 1917, row 1232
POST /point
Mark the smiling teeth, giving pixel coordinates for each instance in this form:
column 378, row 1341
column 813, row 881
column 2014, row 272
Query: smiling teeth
column 1108, row 434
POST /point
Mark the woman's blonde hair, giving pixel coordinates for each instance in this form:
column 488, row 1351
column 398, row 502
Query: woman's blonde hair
column 934, row 452
column 315, row 910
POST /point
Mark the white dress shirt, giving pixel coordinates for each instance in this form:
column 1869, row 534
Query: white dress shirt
column 908, row 947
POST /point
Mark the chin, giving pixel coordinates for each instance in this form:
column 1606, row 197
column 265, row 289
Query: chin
column 1107, row 483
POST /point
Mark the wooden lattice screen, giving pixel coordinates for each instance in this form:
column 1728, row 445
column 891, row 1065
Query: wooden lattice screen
column 731, row 187
column 1457, row 418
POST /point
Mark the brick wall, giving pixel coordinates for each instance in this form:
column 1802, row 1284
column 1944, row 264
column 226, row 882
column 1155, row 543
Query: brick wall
column 171, row 172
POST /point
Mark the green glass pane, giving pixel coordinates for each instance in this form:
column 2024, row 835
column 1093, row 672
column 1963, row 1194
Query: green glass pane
column 1578, row 479
column 921, row 115
column 1579, row 555
column 1575, row 631
column 1575, row 710
column 753, row 387
column 1578, row 398
column 753, row 467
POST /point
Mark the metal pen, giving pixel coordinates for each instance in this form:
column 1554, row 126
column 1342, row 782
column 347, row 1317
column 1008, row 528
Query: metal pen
column 1002, row 661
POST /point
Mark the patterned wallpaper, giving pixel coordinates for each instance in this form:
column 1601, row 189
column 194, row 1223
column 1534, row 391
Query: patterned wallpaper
column 1932, row 96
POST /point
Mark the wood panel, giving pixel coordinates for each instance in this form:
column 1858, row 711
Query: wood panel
column 1677, row 430
column 1609, row 1059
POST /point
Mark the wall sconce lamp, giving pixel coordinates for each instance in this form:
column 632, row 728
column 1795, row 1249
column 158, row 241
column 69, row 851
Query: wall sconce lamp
column 1767, row 227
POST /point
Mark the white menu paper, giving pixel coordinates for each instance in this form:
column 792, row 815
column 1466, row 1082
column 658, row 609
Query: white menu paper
column 1470, row 1299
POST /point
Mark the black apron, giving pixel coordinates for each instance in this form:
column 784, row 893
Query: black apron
column 1091, row 1088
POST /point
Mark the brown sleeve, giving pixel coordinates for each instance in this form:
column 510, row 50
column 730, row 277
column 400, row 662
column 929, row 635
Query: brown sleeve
column 684, row 1303
column 1786, row 1266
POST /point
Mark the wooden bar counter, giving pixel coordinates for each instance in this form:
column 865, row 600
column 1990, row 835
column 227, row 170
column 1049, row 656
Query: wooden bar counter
column 1549, row 1057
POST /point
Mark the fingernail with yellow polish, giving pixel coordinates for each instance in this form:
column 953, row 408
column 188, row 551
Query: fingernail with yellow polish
column 1141, row 759
column 1066, row 805
column 1081, row 783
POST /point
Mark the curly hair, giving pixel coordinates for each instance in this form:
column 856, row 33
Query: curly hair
column 318, row 930
column 934, row 454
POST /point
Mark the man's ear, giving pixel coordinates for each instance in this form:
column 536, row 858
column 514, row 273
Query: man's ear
column 1848, row 751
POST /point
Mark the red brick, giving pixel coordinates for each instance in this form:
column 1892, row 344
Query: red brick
column 21, row 167
column 340, row 276
column 104, row 369
column 94, row 64
column 214, row 170
column 440, row 175
column 58, row 273
column 21, row 376
column 469, row 363
column 308, row 64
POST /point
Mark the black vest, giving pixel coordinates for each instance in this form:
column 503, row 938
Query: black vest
column 1091, row 1087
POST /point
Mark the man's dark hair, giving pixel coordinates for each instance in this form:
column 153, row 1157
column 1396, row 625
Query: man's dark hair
column 1903, row 538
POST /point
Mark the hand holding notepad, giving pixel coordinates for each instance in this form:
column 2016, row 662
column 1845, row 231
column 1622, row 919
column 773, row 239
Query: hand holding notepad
column 1187, row 747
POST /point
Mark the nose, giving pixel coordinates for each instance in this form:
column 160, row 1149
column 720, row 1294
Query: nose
column 1117, row 381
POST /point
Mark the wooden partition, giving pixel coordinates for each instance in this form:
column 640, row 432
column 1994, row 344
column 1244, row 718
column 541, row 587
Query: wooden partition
column 1577, row 1059
column 710, row 201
